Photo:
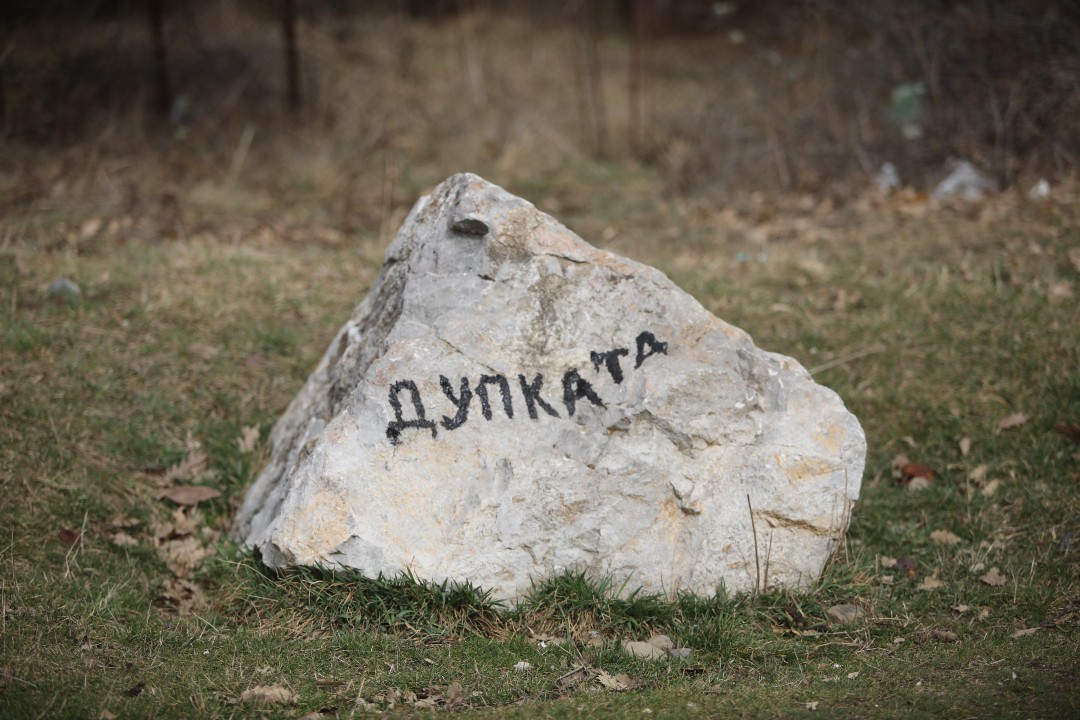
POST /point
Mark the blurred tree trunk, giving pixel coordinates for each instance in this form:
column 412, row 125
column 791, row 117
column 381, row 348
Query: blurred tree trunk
column 292, row 59
column 161, row 68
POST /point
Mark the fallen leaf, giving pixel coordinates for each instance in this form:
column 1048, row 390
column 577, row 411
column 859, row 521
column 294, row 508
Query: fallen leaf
column 183, row 596
column 124, row 522
column 961, row 608
column 947, row 636
column 190, row 468
column 184, row 554
column 188, row 494
column 888, row 562
column 1011, row 421
column 994, row 578
column 898, row 462
column 1061, row 290
column 266, row 694
column 389, row 698
column 1025, row 632
column 931, row 582
column 965, row 446
column 978, row 475
column 609, row 682
column 106, row 715
column 572, row 678
column 70, row 537
column 182, row 522
column 455, row 696
column 913, row 470
column 945, row 537
column 523, row 666
column 249, row 438
column 322, row 713
column 122, row 539
column 812, row 705
column 1074, row 257
column 990, row 488
column 1069, row 431
column 853, row 675
column 918, row 483
column 90, row 228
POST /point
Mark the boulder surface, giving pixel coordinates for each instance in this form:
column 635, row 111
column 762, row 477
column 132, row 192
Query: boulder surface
column 510, row 402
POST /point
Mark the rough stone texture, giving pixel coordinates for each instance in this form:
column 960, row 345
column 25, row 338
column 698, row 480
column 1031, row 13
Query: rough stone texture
column 640, row 423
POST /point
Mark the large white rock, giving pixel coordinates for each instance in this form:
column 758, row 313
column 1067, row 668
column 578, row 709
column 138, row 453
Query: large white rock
column 510, row 402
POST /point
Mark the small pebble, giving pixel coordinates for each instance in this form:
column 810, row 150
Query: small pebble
column 470, row 226
column 64, row 289
column 636, row 648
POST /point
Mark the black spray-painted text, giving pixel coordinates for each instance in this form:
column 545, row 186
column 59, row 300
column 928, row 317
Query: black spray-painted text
column 495, row 391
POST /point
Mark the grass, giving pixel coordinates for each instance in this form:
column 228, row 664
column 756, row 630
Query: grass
column 205, row 304
column 950, row 323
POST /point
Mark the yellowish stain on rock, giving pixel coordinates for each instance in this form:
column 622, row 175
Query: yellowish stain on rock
column 808, row 469
column 832, row 440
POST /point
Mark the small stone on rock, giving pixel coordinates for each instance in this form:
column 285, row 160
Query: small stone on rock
column 470, row 226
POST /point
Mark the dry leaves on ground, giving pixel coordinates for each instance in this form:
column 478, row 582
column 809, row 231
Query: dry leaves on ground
column 70, row 537
column 1025, row 632
column 945, row 537
column 179, row 541
column 191, row 467
column 1069, row 431
column 932, row 581
column 183, row 596
column 607, row 681
column 268, row 694
column 427, row 699
column 188, row 494
column 981, row 615
column 994, row 578
column 249, row 438
column 123, row 540
column 945, row 636
column 1011, row 421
